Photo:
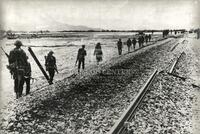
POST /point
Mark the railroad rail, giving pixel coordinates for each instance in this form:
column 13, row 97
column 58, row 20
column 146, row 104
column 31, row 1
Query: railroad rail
column 119, row 127
column 171, row 71
column 174, row 47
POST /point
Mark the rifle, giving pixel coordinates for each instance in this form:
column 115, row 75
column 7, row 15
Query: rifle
column 8, row 66
column 5, row 52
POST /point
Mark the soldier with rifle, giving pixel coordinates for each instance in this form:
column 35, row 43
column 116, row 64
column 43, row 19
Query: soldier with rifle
column 17, row 64
column 51, row 66
column 81, row 58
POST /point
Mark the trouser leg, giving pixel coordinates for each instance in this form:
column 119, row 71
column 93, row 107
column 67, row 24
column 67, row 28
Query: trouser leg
column 51, row 75
column 128, row 48
column 15, row 85
column 21, row 86
column 27, row 85
column 16, row 88
column 119, row 51
column 79, row 65
column 83, row 64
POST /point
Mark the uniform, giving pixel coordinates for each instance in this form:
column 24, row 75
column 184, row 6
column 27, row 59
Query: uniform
column 119, row 46
column 146, row 38
column 81, row 58
column 98, row 52
column 128, row 44
column 134, row 43
column 50, row 66
column 17, row 64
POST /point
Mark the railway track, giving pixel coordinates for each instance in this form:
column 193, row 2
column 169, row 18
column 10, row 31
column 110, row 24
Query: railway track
column 120, row 127
column 171, row 71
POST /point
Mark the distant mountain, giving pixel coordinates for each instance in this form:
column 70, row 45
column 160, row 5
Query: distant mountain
column 66, row 27
column 51, row 26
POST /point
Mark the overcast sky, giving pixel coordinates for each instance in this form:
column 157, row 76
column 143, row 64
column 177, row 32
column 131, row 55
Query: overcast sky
column 108, row 14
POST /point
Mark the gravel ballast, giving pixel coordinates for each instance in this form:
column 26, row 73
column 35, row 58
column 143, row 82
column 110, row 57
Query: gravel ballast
column 91, row 104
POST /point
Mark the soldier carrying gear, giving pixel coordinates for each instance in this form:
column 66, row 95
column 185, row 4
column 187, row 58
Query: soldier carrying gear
column 50, row 64
column 146, row 38
column 27, row 76
column 17, row 64
column 129, row 44
column 149, row 37
column 81, row 57
column 119, row 46
column 134, row 41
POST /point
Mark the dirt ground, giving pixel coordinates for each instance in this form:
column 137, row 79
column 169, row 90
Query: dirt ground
column 52, row 119
column 194, row 46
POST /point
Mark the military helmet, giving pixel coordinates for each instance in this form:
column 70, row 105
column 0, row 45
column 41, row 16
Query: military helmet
column 51, row 52
column 18, row 43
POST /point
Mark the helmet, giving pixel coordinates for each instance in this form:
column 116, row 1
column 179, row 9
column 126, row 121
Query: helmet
column 18, row 43
column 51, row 52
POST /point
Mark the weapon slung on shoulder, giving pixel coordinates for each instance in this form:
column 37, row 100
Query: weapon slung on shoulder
column 5, row 52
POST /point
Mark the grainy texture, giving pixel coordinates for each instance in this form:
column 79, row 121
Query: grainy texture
column 194, row 52
column 94, row 101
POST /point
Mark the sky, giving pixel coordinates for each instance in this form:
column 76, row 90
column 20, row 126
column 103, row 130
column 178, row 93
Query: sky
column 104, row 14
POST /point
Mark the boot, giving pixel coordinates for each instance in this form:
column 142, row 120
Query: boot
column 17, row 95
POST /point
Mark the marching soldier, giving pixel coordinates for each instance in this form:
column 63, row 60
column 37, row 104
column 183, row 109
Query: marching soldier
column 140, row 41
column 98, row 52
column 134, row 41
column 51, row 67
column 149, row 37
column 17, row 65
column 129, row 44
column 146, row 38
column 81, row 57
column 119, row 46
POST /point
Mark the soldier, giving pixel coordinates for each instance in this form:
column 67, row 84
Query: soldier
column 129, row 44
column 149, row 37
column 51, row 67
column 119, row 46
column 27, row 76
column 98, row 52
column 142, row 40
column 81, row 58
column 146, row 38
column 134, row 41
column 17, row 64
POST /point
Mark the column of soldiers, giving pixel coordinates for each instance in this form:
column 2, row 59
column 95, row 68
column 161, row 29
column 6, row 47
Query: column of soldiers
column 20, row 68
column 141, row 39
